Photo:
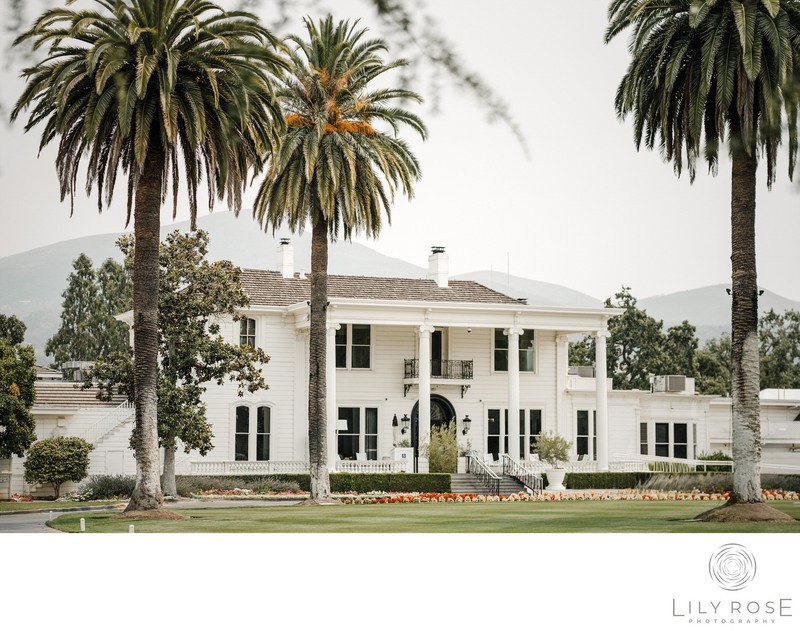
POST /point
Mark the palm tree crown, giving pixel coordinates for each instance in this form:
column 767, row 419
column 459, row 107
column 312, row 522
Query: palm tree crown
column 702, row 70
column 334, row 163
column 154, row 87
column 179, row 73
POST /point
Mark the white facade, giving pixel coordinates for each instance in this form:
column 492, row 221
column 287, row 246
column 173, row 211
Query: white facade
column 426, row 350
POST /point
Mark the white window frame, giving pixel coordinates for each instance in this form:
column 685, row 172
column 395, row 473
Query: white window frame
column 362, row 428
column 252, row 433
column 524, row 437
column 691, row 437
column 243, row 322
column 591, row 437
column 521, row 350
column 348, row 345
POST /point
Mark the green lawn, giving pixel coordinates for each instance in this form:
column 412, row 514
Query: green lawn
column 539, row 517
column 10, row 507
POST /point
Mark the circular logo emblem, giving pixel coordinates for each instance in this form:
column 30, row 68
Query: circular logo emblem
column 732, row 567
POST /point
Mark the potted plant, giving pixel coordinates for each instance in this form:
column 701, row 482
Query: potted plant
column 553, row 450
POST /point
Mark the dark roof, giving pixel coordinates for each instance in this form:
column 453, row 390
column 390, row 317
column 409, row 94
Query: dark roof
column 267, row 288
column 68, row 394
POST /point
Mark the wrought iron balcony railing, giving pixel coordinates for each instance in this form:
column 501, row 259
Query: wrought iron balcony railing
column 441, row 368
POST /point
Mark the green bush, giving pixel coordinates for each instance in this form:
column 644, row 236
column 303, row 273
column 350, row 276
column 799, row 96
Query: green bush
column 715, row 456
column 606, row 480
column 340, row 482
column 390, row 482
column 107, row 487
column 190, row 484
column 57, row 460
column 442, row 449
column 552, row 449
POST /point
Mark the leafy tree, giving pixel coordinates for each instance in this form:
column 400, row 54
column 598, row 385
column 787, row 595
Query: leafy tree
column 57, row 460
column 153, row 87
column 780, row 349
column 703, row 72
column 680, row 350
column 88, row 329
column 194, row 294
column 17, row 388
column 714, row 366
column 336, row 171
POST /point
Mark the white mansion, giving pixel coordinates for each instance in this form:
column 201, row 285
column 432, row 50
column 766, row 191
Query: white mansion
column 407, row 354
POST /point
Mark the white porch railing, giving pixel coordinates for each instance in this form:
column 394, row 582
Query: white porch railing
column 246, row 467
column 372, row 466
column 119, row 415
column 263, row 467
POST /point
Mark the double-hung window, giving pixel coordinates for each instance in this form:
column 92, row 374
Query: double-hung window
column 527, row 351
column 353, row 346
column 670, row 440
column 252, row 440
column 586, row 435
column 530, row 426
column 247, row 332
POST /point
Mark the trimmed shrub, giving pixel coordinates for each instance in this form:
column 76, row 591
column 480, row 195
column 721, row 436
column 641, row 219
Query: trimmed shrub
column 190, row 484
column 606, row 480
column 57, row 460
column 340, row 482
column 107, row 487
column 715, row 456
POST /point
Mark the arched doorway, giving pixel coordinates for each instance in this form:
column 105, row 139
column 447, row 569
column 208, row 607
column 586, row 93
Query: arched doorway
column 442, row 411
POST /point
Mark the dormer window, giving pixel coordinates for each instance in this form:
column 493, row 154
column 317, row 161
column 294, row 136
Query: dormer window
column 247, row 332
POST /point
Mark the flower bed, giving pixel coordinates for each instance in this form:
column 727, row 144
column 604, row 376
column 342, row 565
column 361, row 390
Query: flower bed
column 16, row 497
column 561, row 496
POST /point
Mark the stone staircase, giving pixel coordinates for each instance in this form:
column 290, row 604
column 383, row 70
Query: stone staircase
column 468, row 483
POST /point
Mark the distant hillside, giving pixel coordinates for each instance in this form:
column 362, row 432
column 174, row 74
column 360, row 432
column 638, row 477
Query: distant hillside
column 534, row 291
column 31, row 283
column 708, row 308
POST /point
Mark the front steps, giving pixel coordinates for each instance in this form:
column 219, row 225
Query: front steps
column 468, row 483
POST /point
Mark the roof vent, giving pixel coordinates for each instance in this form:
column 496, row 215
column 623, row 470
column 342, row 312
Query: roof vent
column 437, row 249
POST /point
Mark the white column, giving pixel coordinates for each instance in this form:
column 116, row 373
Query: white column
column 332, row 410
column 602, row 400
column 513, row 334
column 424, row 382
column 562, row 365
column 300, row 438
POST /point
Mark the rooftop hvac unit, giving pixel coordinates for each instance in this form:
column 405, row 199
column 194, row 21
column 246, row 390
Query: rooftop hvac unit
column 581, row 371
column 669, row 383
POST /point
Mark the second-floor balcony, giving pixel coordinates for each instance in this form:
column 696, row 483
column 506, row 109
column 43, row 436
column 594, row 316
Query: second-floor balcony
column 456, row 369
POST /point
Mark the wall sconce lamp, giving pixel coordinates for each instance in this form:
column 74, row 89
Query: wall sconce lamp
column 394, row 421
column 467, row 423
column 406, row 423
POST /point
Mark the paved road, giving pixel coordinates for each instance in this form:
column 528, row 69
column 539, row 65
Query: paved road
column 35, row 522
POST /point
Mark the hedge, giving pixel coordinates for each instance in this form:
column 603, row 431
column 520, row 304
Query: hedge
column 672, row 481
column 340, row 482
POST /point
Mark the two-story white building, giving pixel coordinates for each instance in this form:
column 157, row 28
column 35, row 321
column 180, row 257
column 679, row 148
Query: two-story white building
column 408, row 354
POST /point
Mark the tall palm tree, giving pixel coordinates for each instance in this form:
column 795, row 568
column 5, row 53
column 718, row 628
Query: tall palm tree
column 335, row 170
column 706, row 72
column 154, row 87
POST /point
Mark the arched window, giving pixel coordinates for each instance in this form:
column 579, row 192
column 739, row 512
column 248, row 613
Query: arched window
column 253, row 430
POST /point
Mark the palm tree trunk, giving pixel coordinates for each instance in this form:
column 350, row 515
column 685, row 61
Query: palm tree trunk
column 147, row 493
column 746, row 421
column 168, row 485
column 317, row 384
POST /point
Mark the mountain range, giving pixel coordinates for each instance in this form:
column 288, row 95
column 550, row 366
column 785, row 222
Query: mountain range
column 31, row 282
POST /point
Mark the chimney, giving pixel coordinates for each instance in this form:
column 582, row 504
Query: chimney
column 286, row 252
column 438, row 266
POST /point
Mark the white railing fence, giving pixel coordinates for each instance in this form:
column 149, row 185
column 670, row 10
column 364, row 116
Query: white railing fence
column 245, row 467
column 119, row 415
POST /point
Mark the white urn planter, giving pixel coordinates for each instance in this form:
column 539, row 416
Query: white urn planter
column 555, row 479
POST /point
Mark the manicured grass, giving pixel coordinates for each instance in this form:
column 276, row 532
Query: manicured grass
column 538, row 517
column 10, row 507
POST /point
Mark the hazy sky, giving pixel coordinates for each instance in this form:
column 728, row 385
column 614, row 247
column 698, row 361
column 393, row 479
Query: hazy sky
column 585, row 210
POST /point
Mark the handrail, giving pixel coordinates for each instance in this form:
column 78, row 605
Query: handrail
column 115, row 417
column 530, row 480
column 488, row 478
